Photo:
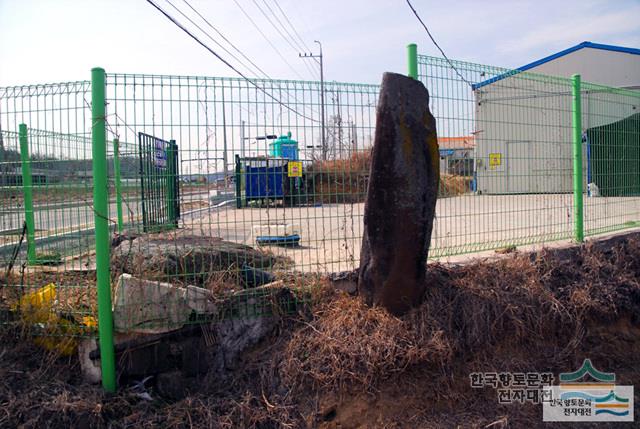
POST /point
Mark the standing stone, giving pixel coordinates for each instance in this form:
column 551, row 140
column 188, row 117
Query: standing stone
column 401, row 197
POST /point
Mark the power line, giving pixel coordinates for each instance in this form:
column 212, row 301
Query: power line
column 277, row 27
column 212, row 39
column 214, row 53
column 435, row 43
column 267, row 39
column 225, row 39
column 284, row 27
column 265, row 74
column 292, row 27
column 290, row 38
column 241, row 53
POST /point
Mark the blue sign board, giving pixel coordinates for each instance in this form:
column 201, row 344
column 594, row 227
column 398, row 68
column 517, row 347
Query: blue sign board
column 160, row 157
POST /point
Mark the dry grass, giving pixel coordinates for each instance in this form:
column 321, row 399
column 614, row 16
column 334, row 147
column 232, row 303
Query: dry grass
column 341, row 180
column 540, row 312
column 350, row 344
column 359, row 161
column 452, row 185
column 345, row 180
column 346, row 365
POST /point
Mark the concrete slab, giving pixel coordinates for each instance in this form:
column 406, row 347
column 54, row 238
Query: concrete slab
column 331, row 233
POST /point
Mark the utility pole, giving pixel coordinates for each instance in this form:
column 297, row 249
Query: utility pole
column 224, row 137
column 242, row 139
column 310, row 55
column 2, row 166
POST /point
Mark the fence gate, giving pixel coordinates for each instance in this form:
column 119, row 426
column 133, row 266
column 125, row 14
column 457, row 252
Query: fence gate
column 159, row 183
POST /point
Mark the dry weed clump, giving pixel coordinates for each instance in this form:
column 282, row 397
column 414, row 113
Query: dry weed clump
column 350, row 344
column 452, row 185
column 544, row 301
column 340, row 180
column 345, row 180
column 359, row 161
column 489, row 303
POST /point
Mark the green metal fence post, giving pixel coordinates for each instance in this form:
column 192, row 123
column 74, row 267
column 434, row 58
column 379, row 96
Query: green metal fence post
column 412, row 56
column 238, row 182
column 100, row 207
column 171, row 184
column 116, row 179
column 27, row 189
column 577, row 160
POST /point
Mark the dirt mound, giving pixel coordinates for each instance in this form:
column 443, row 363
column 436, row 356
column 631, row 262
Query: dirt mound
column 529, row 312
column 346, row 365
column 183, row 258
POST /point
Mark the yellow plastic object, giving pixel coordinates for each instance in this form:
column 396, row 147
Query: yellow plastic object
column 89, row 321
column 62, row 334
column 58, row 337
column 59, row 333
column 36, row 307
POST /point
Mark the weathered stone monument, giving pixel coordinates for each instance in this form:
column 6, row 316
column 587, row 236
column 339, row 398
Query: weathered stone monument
column 401, row 197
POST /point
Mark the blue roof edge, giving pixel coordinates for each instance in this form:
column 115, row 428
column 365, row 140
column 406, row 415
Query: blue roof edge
column 552, row 57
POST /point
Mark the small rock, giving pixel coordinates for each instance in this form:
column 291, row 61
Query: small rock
column 346, row 281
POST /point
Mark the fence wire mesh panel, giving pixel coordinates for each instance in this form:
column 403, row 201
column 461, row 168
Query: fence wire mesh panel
column 506, row 145
column 611, row 123
column 506, row 156
column 263, row 192
column 250, row 186
column 46, row 216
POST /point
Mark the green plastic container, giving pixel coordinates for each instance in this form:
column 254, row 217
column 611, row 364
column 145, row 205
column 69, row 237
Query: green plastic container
column 284, row 147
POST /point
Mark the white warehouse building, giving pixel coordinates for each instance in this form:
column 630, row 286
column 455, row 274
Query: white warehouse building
column 524, row 121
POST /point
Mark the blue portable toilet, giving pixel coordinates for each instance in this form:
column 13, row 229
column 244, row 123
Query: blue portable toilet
column 284, row 147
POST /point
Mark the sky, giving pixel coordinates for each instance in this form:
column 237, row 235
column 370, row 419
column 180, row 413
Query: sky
column 61, row 40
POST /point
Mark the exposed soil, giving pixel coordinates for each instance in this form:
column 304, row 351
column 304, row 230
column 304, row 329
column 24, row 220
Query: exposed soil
column 343, row 365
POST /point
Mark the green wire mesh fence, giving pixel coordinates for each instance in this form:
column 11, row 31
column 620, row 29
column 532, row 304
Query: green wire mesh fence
column 236, row 147
column 60, row 193
column 506, row 144
column 611, row 124
column 261, row 191
column 517, row 187
column 219, row 188
column 46, row 217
